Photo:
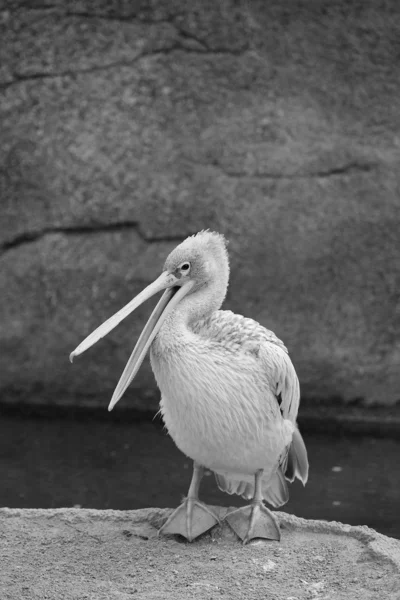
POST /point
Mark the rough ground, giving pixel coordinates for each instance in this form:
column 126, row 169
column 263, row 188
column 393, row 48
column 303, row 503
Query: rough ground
column 110, row 555
column 126, row 126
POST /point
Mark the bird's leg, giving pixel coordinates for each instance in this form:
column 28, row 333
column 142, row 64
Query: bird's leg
column 192, row 517
column 254, row 520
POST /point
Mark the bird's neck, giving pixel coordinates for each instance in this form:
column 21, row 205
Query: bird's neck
column 177, row 329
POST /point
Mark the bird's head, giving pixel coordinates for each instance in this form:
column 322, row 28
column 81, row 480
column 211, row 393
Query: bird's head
column 200, row 261
column 198, row 271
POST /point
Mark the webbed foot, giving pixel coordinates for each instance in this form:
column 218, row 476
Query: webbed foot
column 254, row 521
column 190, row 519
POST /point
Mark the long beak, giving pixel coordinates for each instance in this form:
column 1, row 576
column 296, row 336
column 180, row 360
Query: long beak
column 169, row 300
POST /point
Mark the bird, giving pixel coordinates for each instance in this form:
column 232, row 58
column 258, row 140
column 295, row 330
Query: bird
column 229, row 391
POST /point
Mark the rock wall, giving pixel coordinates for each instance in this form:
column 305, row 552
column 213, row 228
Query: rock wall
column 126, row 126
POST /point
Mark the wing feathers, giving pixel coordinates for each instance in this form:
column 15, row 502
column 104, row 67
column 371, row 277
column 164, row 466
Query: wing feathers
column 297, row 460
column 283, row 380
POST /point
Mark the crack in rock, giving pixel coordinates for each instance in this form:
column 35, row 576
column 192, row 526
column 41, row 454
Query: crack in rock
column 179, row 45
column 32, row 236
column 334, row 171
column 186, row 42
column 21, row 77
column 345, row 169
column 140, row 19
column 200, row 44
column 114, row 17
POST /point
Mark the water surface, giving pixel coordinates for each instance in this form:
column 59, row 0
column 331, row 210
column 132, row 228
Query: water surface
column 57, row 462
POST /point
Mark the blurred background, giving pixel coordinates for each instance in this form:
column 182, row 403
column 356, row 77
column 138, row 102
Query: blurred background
column 126, row 126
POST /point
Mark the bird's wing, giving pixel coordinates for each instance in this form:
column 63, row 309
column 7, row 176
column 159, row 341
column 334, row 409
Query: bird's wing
column 242, row 334
column 236, row 332
column 283, row 379
column 285, row 385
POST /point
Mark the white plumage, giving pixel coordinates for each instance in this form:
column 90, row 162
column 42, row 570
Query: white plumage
column 229, row 392
column 223, row 390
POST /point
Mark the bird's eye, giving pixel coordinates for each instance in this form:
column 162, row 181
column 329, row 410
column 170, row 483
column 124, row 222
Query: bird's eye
column 185, row 267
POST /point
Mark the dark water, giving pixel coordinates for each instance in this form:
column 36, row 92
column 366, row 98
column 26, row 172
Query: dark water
column 49, row 463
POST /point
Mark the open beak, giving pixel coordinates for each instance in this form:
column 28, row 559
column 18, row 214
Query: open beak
column 173, row 294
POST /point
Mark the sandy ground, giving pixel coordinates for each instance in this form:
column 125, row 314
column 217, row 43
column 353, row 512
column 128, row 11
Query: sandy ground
column 94, row 555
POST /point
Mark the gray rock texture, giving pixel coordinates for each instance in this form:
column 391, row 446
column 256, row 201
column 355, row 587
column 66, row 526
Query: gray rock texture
column 126, row 126
column 68, row 554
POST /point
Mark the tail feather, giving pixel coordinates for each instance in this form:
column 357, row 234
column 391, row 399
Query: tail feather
column 276, row 491
column 297, row 460
column 235, row 486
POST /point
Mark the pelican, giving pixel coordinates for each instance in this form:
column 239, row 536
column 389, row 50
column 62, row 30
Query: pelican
column 229, row 392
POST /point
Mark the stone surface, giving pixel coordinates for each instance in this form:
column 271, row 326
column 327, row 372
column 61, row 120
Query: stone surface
column 126, row 126
column 70, row 553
